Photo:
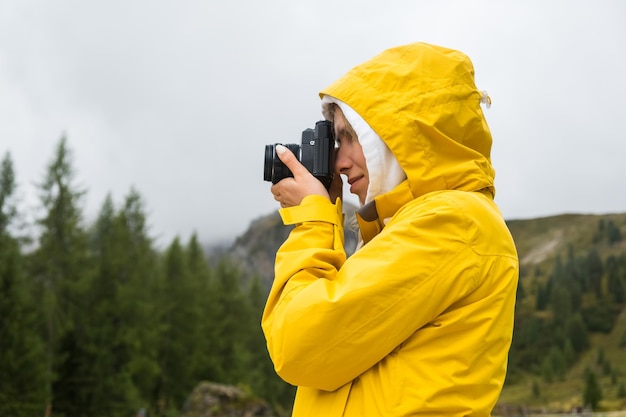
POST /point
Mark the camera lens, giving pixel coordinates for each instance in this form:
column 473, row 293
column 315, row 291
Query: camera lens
column 268, row 168
column 274, row 170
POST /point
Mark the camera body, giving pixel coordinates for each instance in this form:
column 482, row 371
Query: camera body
column 316, row 153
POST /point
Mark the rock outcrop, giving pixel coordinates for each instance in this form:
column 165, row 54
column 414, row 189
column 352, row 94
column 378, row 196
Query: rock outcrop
column 210, row 399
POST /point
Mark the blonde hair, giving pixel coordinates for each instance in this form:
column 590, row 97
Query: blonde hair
column 333, row 109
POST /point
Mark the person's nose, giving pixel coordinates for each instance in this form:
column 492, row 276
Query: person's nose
column 342, row 160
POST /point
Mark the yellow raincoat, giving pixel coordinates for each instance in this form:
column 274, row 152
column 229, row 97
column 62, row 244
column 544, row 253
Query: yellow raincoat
column 419, row 320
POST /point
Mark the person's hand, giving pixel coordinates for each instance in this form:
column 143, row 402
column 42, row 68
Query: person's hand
column 290, row 191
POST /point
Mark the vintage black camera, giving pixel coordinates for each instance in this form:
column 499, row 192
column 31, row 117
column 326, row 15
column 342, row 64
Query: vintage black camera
column 317, row 154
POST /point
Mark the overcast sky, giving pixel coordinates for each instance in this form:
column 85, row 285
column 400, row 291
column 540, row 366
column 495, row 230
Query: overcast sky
column 179, row 98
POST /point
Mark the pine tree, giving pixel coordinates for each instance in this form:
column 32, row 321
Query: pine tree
column 114, row 393
column 248, row 355
column 560, row 301
column 542, row 297
column 615, row 286
column 577, row 333
column 8, row 210
column 59, row 265
column 547, row 370
column 559, row 273
column 595, row 270
column 592, row 393
column 600, row 232
column 576, row 297
column 226, row 327
column 180, row 321
column 23, row 389
column 613, row 234
column 263, row 378
column 568, row 353
column 200, row 273
column 136, row 275
column 536, row 389
column 558, row 361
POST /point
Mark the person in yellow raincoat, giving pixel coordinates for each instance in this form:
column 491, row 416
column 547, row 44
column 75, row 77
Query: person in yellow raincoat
column 419, row 320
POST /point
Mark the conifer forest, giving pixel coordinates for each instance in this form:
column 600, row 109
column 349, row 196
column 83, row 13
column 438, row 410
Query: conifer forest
column 95, row 321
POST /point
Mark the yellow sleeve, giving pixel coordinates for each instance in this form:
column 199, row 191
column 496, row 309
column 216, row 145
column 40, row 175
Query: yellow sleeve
column 313, row 252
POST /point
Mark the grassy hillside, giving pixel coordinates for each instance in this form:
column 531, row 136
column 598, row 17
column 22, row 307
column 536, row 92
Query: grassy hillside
column 540, row 240
column 564, row 395
column 561, row 249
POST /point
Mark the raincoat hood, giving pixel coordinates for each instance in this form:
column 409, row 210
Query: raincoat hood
column 384, row 170
column 421, row 100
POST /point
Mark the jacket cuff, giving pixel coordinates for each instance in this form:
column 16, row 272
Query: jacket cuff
column 313, row 208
